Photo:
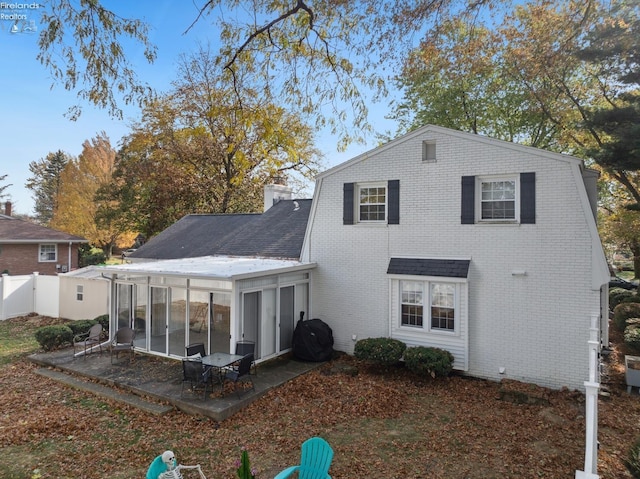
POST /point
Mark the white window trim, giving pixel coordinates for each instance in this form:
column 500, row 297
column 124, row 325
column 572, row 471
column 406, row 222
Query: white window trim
column 55, row 250
column 426, row 304
column 478, row 198
column 79, row 292
column 358, row 187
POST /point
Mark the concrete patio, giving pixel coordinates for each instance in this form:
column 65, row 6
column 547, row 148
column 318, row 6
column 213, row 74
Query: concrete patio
column 152, row 382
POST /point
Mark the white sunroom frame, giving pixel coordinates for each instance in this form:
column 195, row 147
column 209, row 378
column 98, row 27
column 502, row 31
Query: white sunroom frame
column 218, row 274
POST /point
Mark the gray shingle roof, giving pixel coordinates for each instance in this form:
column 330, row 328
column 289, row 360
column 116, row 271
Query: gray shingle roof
column 450, row 268
column 276, row 233
column 15, row 230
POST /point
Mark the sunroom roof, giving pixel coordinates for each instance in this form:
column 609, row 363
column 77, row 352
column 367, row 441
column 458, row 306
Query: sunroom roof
column 216, row 267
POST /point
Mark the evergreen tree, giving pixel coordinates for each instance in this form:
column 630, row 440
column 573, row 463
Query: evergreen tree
column 45, row 183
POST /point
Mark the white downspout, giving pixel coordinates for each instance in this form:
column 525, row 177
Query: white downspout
column 69, row 263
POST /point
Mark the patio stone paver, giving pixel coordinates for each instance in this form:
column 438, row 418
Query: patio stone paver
column 160, row 379
column 106, row 391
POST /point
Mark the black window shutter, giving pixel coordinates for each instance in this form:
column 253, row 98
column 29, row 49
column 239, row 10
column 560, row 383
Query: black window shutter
column 347, row 205
column 527, row 198
column 393, row 187
column 468, row 200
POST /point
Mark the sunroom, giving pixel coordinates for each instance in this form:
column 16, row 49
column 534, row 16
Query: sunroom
column 214, row 300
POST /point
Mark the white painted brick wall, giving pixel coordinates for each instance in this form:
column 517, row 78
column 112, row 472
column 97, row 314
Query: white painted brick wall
column 535, row 326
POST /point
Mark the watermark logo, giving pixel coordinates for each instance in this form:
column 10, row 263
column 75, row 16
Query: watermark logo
column 18, row 18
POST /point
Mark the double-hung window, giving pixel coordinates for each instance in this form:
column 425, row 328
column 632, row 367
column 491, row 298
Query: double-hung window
column 498, row 199
column 48, row 253
column 412, row 305
column 79, row 292
column 372, row 203
column 443, row 311
column 428, row 305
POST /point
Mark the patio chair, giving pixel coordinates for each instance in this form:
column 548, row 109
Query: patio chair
column 194, row 349
column 194, row 373
column 247, row 347
column 315, row 461
column 87, row 341
column 123, row 342
column 242, row 374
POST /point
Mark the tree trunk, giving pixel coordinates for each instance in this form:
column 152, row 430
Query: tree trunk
column 635, row 250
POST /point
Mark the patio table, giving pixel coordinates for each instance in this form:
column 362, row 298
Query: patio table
column 220, row 361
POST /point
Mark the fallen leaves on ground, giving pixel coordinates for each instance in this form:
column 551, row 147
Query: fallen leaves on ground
column 380, row 423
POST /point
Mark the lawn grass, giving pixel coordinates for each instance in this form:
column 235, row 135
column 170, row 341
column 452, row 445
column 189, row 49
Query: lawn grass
column 16, row 339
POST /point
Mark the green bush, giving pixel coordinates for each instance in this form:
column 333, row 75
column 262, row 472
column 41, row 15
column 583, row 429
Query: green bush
column 385, row 351
column 633, row 460
column 617, row 296
column 625, row 311
column 89, row 256
column 53, row 337
column 632, row 336
column 103, row 319
column 434, row 362
column 81, row 326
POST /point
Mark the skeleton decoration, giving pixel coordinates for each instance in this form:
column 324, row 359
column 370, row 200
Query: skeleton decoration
column 170, row 468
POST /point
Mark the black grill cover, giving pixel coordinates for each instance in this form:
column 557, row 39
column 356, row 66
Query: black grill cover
column 312, row 340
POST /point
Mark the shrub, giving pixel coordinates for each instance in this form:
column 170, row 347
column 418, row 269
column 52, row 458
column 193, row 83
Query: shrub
column 81, row 326
column 429, row 361
column 385, row 351
column 89, row 256
column 103, row 319
column 624, row 311
column 617, row 296
column 633, row 460
column 52, row 337
column 632, row 336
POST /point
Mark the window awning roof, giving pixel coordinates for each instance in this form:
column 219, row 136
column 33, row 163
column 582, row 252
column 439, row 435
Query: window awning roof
column 214, row 267
column 450, row 268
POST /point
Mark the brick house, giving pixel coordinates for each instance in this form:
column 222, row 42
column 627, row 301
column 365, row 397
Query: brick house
column 26, row 248
column 485, row 248
column 439, row 238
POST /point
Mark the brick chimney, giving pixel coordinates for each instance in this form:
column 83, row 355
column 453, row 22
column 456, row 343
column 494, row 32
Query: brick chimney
column 7, row 208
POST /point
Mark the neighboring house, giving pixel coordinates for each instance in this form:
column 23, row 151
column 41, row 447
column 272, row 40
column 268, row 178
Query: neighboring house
column 26, row 248
column 218, row 279
column 485, row 248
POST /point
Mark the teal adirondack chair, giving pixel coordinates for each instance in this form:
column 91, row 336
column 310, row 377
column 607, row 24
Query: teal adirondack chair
column 315, row 461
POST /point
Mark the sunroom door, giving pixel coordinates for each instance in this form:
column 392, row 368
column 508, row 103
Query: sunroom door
column 159, row 320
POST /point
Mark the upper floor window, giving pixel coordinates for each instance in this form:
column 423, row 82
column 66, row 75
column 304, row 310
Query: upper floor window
column 48, row 253
column 498, row 199
column 372, row 202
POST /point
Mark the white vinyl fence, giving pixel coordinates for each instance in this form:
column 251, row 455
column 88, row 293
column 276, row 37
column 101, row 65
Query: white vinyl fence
column 21, row 295
column 81, row 294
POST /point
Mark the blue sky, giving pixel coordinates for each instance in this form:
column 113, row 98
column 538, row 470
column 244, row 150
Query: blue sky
column 33, row 124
